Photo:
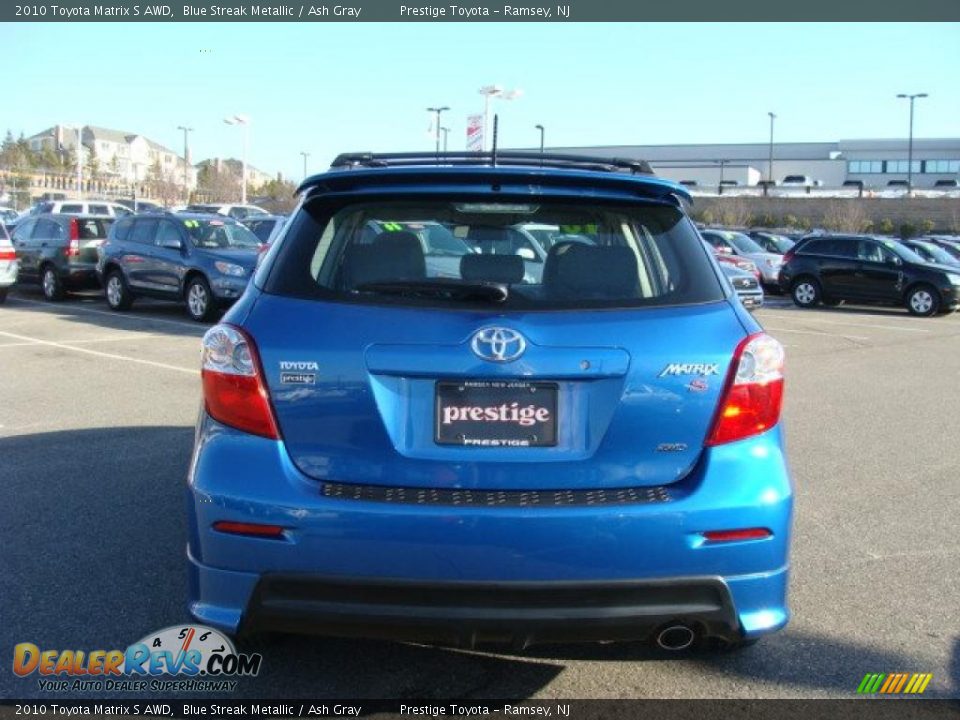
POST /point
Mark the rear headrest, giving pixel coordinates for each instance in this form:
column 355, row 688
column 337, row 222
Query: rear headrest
column 391, row 256
column 485, row 234
column 575, row 270
column 492, row 268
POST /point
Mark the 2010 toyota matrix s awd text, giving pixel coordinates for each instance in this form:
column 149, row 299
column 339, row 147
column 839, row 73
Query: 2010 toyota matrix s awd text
column 591, row 452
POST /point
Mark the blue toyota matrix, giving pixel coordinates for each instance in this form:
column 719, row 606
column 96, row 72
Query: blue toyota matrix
column 504, row 398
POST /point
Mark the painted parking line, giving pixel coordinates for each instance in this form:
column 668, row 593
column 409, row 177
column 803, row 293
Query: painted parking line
column 867, row 326
column 97, row 353
column 815, row 332
column 117, row 315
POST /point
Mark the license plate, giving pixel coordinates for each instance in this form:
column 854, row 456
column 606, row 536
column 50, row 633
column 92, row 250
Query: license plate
column 498, row 414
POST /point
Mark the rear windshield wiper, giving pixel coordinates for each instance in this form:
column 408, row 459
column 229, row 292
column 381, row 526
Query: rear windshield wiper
column 447, row 289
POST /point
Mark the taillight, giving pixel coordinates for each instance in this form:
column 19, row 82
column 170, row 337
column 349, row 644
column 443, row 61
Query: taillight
column 753, row 394
column 788, row 256
column 234, row 390
column 8, row 253
column 73, row 248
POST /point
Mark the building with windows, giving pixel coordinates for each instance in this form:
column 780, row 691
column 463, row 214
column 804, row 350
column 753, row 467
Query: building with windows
column 119, row 156
column 874, row 163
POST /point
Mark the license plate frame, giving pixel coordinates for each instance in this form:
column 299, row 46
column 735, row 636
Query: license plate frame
column 515, row 403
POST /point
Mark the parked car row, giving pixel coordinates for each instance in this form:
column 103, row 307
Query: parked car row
column 830, row 269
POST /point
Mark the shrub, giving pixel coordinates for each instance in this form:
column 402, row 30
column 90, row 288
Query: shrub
column 885, row 227
column 927, row 226
column 791, row 221
column 907, row 230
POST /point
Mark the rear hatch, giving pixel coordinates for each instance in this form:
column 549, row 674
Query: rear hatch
column 605, row 372
column 358, row 390
column 86, row 235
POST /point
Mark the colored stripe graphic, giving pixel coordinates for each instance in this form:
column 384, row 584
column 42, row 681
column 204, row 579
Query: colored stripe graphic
column 894, row 683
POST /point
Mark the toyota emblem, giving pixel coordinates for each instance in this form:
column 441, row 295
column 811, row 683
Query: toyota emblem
column 498, row 344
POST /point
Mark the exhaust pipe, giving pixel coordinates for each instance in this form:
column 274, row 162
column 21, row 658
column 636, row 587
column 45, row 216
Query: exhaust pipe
column 676, row 637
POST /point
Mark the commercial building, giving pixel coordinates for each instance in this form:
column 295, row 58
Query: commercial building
column 876, row 163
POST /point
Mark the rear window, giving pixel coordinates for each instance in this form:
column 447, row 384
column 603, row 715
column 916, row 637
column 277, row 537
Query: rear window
column 93, row 228
column 214, row 234
column 457, row 252
column 71, row 209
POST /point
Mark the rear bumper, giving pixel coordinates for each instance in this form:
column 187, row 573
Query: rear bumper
column 461, row 574
column 80, row 276
column 463, row 613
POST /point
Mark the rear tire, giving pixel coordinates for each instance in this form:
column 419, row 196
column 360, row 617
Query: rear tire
column 923, row 301
column 805, row 292
column 3, row 295
column 200, row 304
column 117, row 293
column 51, row 284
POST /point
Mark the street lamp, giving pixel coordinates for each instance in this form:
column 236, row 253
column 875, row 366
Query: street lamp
column 542, row 133
column 494, row 91
column 722, row 164
column 305, row 156
column 770, row 160
column 186, row 162
column 445, row 131
column 245, row 122
column 438, row 110
column 79, row 129
column 911, row 98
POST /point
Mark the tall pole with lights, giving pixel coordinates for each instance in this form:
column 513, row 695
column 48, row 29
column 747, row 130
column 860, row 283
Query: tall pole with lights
column 770, row 159
column 911, row 98
column 245, row 122
column 494, row 91
column 438, row 110
column 186, row 162
column 305, row 156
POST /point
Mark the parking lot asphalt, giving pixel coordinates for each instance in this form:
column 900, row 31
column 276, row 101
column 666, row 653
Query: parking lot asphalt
column 96, row 422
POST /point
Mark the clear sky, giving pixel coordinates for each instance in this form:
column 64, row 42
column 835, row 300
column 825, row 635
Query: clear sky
column 328, row 88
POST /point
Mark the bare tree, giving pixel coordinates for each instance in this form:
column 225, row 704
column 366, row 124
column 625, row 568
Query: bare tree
column 846, row 216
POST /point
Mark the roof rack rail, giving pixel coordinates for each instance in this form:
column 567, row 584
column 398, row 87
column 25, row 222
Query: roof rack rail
column 503, row 158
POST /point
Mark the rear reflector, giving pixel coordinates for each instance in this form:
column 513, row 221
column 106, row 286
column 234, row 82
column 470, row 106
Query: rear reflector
column 254, row 529
column 719, row 536
column 753, row 394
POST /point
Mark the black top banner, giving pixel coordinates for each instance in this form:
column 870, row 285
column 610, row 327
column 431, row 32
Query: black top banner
column 480, row 11
column 496, row 709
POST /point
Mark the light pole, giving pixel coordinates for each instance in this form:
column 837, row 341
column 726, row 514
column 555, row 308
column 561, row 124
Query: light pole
column 911, row 98
column 438, row 110
column 186, row 162
column 494, row 91
column 245, row 122
column 79, row 161
column 542, row 133
column 770, row 160
column 305, row 156
column 446, row 132
column 722, row 164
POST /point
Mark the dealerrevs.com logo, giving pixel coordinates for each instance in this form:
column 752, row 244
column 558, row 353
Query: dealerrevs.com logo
column 202, row 655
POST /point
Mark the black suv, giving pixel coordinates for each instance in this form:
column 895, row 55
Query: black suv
column 59, row 251
column 867, row 269
column 202, row 260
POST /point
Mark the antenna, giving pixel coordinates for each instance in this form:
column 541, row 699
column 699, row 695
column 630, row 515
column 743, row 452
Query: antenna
column 493, row 151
